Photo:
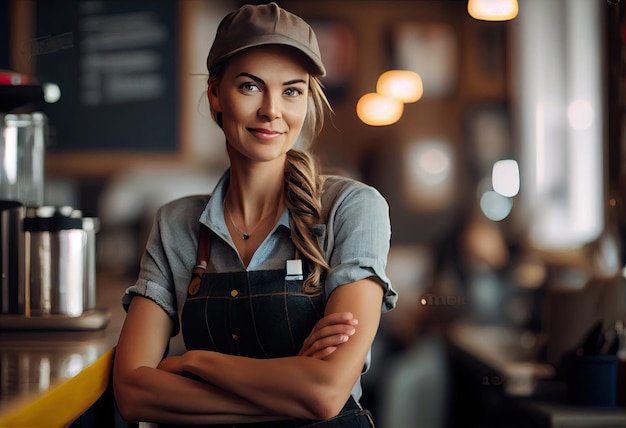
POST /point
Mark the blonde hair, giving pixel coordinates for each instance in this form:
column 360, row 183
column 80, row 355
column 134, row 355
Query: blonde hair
column 303, row 183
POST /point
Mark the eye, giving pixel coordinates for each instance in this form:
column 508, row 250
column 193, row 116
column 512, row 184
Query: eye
column 293, row 92
column 249, row 87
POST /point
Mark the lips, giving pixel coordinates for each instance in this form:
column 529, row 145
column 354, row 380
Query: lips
column 264, row 133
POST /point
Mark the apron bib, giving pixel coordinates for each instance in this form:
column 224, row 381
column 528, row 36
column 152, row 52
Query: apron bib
column 257, row 314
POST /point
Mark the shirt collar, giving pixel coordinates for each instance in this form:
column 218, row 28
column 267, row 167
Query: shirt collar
column 213, row 214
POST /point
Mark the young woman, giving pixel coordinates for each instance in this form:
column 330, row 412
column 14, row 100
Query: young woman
column 277, row 280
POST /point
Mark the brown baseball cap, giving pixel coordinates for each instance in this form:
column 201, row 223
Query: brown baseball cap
column 264, row 24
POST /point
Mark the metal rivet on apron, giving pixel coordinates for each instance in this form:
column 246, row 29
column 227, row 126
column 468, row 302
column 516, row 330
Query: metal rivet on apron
column 234, row 336
column 234, row 293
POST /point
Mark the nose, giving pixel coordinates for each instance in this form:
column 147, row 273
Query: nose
column 270, row 106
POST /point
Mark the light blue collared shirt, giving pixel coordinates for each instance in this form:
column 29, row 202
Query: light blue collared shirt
column 355, row 240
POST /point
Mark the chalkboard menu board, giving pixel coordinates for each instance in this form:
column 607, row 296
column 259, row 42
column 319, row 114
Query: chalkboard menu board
column 116, row 65
column 4, row 35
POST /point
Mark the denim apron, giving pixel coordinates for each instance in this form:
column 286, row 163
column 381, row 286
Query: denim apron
column 256, row 314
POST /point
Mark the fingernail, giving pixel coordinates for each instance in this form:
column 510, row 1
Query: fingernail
column 351, row 331
column 344, row 338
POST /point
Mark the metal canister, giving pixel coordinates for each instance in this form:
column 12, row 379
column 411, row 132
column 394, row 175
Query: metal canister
column 12, row 292
column 22, row 152
column 56, row 248
column 91, row 225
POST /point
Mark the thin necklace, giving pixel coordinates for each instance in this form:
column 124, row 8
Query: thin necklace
column 244, row 235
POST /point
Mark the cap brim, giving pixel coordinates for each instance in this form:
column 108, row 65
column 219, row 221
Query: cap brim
column 317, row 67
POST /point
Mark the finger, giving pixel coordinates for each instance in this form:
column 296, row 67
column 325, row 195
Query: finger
column 320, row 355
column 335, row 324
column 331, row 330
column 326, row 342
column 329, row 324
column 336, row 318
column 333, row 319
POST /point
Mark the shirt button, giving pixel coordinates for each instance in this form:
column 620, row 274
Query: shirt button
column 234, row 293
column 235, row 336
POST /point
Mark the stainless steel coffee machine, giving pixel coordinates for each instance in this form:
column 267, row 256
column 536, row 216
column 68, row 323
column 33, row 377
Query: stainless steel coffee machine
column 47, row 253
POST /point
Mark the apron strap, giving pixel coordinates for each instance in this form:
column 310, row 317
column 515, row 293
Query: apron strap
column 204, row 250
column 202, row 260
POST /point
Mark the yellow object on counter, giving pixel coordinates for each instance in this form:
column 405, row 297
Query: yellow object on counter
column 60, row 406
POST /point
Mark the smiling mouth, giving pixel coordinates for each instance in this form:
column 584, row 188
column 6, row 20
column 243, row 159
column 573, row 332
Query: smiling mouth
column 264, row 133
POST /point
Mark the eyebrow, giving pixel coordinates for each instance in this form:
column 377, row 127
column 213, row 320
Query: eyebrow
column 259, row 80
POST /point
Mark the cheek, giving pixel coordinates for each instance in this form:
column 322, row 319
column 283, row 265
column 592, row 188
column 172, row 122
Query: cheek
column 296, row 114
column 230, row 127
column 242, row 109
column 235, row 117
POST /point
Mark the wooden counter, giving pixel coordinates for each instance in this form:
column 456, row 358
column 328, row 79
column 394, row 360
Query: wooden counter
column 50, row 377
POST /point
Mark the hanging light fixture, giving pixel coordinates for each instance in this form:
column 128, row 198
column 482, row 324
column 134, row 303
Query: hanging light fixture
column 493, row 10
column 403, row 85
column 379, row 110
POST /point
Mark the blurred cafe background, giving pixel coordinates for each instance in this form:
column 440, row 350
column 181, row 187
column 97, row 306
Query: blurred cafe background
column 496, row 130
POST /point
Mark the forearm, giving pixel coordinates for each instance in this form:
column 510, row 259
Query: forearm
column 148, row 394
column 298, row 387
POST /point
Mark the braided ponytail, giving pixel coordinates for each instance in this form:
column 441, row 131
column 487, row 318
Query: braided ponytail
column 303, row 198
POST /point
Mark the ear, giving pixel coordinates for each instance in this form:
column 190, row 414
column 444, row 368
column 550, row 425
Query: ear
column 214, row 100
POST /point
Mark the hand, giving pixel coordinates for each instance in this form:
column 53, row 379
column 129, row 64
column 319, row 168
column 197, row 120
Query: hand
column 329, row 332
column 172, row 365
column 180, row 365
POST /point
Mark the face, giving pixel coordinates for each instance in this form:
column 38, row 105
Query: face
column 262, row 97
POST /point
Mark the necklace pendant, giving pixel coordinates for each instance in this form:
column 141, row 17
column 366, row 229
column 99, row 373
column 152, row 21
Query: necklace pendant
column 245, row 236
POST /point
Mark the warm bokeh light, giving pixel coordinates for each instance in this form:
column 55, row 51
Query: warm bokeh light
column 378, row 110
column 493, row 10
column 505, row 177
column 403, row 85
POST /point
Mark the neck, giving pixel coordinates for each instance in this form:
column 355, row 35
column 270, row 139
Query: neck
column 254, row 194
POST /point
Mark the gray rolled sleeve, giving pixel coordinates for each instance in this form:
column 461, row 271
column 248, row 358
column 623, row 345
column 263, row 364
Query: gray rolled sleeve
column 359, row 234
column 170, row 255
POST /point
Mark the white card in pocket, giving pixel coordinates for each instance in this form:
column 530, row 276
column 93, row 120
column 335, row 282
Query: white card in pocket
column 294, row 270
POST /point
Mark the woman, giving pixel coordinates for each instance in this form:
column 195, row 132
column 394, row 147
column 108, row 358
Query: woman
column 282, row 261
